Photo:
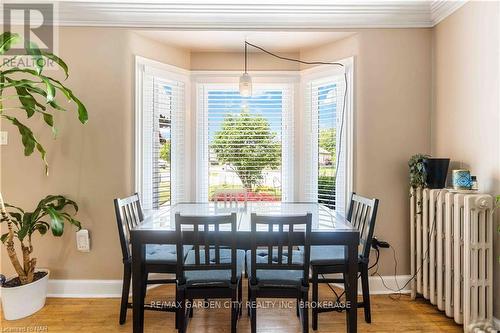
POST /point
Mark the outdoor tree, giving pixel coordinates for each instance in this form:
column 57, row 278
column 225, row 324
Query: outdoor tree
column 327, row 140
column 246, row 143
column 165, row 151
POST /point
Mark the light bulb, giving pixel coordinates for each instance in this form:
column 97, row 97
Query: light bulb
column 245, row 85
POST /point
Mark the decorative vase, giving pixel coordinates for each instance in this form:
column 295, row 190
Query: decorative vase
column 437, row 171
column 23, row 301
column 461, row 179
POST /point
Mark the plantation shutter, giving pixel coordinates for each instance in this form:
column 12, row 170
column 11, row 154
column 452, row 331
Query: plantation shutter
column 218, row 102
column 162, row 140
column 325, row 143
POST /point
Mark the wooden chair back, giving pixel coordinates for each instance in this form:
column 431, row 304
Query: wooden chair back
column 285, row 234
column 128, row 215
column 362, row 215
column 204, row 234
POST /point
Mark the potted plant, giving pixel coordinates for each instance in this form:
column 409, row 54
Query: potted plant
column 29, row 91
column 25, row 294
column 418, row 171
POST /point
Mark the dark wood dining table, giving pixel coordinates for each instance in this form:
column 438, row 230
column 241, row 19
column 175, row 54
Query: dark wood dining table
column 328, row 228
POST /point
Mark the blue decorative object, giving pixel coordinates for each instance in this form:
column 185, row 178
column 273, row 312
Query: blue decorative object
column 462, row 179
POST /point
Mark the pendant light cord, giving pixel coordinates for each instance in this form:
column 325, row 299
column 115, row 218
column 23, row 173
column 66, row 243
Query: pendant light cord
column 289, row 59
column 246, row 57
column 312, row 63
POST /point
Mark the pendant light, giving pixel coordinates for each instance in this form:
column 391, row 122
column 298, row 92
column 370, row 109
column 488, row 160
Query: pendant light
column 245, row 80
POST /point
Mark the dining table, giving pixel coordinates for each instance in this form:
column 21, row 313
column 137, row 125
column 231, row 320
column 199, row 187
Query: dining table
column 328, row 228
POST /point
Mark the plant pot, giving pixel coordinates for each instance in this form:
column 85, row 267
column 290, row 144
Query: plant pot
column 23, row 301
column 437, row 170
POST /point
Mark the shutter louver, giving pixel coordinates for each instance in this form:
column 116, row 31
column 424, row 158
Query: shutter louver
column 324, row 147
column 162, row 141
column 245, row 142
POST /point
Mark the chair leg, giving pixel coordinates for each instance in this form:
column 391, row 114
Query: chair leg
column 253, row 315
column 366, row 293
column 177, row 307
column 191, row 308
column 234, row 311
column 305, row 313
column 127, row 275
column 240, row 297
column 182, row 313
column 315, row 299
column 297, row 307
column 249, row 297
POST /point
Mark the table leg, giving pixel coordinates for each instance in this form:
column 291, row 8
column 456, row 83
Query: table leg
column 352, row 313
column 138, row 257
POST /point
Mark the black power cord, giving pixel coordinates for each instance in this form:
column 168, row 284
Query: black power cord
column 424, row 259
column 376, row 245
column 312, row 63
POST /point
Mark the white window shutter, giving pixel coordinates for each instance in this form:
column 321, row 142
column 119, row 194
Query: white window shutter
column 214, row 103
column 323, row 110
column 161, row 120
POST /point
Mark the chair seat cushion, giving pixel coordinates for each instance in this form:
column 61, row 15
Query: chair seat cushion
column 163, row 253
column 214, row 277
column 328, row 255
column 276, row 277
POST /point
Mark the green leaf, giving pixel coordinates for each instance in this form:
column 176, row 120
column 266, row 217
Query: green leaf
column 38, row 60
column 25, row 226
column 28, row 139
column 42, row 227
column 7, row 39
column 51, row 91
column 15, row 207
column 71, row 220
column 82, row 110
column 16, row 216
column 56, row 225
column 4, row 237
column 57, row 60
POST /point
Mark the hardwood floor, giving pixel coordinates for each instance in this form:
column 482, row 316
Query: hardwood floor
column 101, row 315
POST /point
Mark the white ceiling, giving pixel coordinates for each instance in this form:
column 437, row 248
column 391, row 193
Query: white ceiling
column 255, row 14
column 233, row 41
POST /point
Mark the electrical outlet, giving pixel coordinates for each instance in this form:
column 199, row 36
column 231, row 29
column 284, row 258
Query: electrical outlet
column 3, row 137
column 83, row 240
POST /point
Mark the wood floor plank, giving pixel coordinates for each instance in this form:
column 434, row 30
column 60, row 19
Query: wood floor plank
column 101, row 315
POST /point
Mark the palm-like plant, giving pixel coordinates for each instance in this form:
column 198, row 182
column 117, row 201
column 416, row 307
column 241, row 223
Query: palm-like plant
column 50, row 214
column 34, row 92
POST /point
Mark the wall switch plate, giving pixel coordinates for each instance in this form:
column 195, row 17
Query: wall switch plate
column 83, row 240
column 3, row 137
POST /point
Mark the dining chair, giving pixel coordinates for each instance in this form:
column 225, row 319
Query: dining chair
column 362, row 214
column 277, row 269
column 213, row 268
column 159, row 258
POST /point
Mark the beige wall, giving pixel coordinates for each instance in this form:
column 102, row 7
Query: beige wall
column 93, row 163
column 234, row 61
column 466, row 116
column 391, row 122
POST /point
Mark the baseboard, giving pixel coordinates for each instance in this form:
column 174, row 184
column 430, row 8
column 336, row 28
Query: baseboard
column 496, row 322
column 84, row 288
column 392, row 284
column 113, row 288
column 91, row 288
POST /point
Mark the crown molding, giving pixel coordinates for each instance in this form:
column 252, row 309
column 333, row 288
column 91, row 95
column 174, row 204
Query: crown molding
column 271, row 14
column 441, row 9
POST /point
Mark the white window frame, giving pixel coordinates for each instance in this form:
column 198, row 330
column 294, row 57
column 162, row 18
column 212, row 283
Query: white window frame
column 204, row 79
column 142, row 66
column 308, row 165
